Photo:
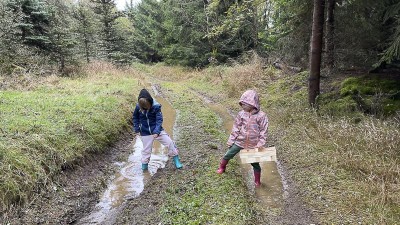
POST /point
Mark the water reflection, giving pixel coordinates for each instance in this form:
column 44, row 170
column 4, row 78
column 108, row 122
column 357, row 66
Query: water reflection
column 130, row 180
column 271, row 191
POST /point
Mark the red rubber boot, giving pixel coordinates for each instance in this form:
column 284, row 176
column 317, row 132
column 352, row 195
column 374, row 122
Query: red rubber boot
column 222, row 166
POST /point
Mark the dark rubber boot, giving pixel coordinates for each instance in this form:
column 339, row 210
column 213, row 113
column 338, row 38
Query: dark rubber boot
column 145, row 166
column 257, row 177
column 222, row 166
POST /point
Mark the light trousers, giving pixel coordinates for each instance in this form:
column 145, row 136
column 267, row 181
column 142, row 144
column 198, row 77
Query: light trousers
column 164, row 139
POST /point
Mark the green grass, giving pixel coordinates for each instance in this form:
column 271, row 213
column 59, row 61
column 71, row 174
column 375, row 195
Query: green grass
column 204, row 197
column 346, row 163
column 55, row 125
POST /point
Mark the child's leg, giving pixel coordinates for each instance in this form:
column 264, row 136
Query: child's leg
column 257, row 174
column 232, row 151
column 147, row 147
column 256, row 167
column 166, row 140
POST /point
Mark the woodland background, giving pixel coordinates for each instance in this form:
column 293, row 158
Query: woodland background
column 69, row 71
column 41, row 36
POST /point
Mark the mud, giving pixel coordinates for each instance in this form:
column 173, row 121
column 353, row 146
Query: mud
column 130, row 180
column 75, row 192
column 278, row 196
column 79, row 192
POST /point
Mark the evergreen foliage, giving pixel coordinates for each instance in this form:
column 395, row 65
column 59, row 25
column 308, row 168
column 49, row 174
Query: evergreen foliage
column 184, row 41
column 35, row 22
column 86, row 29
column 392, row 17
column 146, row 39
column 237, row 27
column 108, row 15
column 62, row 34
column 290, row 31
column 193, row 33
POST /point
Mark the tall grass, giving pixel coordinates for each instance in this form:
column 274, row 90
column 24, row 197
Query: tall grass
column 348, row 169
column 55, row 123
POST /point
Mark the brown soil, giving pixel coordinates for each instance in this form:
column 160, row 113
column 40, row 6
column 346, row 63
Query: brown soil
column 77, row 190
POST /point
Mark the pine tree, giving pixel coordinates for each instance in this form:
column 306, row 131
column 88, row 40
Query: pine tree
column 147, row 18
column 61, row 34
column 185, row 26
column 35, row 22
column 108, row 13
column 86, row 28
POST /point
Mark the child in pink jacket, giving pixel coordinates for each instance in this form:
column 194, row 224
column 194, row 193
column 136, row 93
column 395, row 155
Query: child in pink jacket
column 249, row 131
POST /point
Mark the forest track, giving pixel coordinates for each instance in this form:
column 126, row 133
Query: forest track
column 77, row 190
column 74, row 192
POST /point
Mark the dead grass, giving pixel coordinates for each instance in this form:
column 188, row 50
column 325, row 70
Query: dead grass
column 27, row 81
column 348, row 172
column 354, row 167
column 168, row 73
column 55, row 122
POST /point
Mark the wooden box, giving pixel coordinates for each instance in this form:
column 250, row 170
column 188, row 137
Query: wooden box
column 257, row 155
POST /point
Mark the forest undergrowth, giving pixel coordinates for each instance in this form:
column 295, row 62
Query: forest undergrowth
column 51, row 123
column 345, row 165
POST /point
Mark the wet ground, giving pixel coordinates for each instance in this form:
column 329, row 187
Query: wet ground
column 130, row 196
column 130, row 180
column 271, row 191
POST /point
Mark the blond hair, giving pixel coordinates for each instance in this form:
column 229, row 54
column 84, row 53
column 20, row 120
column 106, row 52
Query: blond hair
column 144, row 104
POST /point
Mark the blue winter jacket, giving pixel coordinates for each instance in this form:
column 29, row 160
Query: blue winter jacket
column 148, row 122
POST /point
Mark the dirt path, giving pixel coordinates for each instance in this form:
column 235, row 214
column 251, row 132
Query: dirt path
column 78, row 189
column 75, row 192
column 278, row 193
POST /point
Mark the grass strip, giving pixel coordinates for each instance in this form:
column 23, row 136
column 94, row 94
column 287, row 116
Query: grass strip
column 346, row 167
column 204, row 197
column 55, row 125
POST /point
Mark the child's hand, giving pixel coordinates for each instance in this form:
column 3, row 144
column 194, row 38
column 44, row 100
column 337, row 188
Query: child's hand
column 156, row 135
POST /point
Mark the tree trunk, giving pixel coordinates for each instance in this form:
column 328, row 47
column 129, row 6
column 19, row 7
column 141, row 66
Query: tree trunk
column 255, row 26
column 330, row 33
column 62, row 63
column 316, row 50
column 87, row 49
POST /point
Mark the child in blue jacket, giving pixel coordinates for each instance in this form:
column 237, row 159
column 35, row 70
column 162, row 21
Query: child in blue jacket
column 147, row 122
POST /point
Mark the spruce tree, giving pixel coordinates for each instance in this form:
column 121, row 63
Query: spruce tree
column 108, row 13
column 86, row 29
column 35, row 22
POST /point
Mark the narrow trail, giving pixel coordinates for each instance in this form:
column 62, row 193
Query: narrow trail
column 271, row 191
column 130, row 196
column 127, row 187
column 130, row 180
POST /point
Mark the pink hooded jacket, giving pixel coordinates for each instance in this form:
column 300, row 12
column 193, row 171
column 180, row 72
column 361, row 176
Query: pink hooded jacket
column 250, row 128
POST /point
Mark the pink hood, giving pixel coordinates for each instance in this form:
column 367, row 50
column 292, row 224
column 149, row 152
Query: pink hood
column 251, row 97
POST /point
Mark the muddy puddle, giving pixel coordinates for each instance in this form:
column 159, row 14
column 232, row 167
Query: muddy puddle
column 130, row 180
column 271, row 191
